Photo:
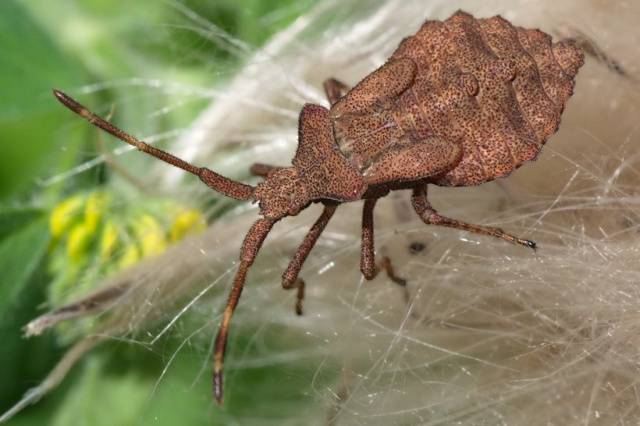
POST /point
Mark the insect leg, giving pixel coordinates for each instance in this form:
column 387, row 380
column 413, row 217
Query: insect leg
column 225, row 186
column 290, row 278
column 367, row 259
column 367, row 254
column 431, row 217
column 250, row 247
column 334, row 89
column 591, row 48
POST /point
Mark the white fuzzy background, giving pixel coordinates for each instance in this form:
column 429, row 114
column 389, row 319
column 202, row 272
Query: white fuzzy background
column 492, row 333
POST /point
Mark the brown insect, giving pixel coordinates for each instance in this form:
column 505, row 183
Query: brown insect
column 460, row 103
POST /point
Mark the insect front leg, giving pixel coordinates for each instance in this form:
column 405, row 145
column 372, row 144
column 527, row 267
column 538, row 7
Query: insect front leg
column 431, row 217
column 290, row 278
column 334, row 89
column 250, row 248
column 368, row 258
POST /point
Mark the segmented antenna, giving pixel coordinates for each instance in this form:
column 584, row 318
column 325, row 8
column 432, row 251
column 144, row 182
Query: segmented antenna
column 223, row 185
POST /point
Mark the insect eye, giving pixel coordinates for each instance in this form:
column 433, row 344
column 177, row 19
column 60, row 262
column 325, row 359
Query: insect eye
column 470, row 84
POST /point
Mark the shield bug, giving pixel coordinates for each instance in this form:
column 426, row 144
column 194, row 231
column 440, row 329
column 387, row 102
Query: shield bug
column 462, row 102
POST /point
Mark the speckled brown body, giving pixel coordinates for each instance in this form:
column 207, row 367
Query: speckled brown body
column 495, row 90
column 460, row 103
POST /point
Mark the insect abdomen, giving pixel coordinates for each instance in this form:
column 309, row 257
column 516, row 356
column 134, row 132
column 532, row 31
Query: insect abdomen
column 495, row 89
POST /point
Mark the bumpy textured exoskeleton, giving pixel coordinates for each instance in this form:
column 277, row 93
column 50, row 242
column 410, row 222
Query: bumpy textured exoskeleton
column 462, row 102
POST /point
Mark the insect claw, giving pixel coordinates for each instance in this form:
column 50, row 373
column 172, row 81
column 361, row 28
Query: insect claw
column 531, row 244
column 217, row 387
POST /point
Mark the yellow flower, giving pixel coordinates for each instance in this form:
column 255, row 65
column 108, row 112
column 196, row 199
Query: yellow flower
column 130, row 256
column 109, row 240
column 188, row 221
column 151, row 235
column 96, row 203
column 78, row 242
column 64, row 215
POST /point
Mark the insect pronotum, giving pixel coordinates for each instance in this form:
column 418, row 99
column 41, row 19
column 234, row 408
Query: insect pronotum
column 462, row 102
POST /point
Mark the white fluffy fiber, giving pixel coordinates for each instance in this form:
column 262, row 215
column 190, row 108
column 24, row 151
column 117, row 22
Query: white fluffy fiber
column 492, row 333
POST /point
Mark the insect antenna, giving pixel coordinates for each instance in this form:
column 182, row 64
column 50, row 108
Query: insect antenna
column 226, row 186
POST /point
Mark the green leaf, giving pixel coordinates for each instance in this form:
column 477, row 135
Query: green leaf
column 20, row 256
column 23, row 362
column 98, row 398
column 33, row 147
column 14, row 218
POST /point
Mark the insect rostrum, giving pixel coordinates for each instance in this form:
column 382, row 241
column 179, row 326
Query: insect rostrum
column 462, row 102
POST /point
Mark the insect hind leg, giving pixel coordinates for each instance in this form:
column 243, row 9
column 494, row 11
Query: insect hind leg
column 593, row 49
column 431, row 217
column 334, row 89
column 367, row 259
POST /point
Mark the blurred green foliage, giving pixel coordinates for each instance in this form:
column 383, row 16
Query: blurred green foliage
column 76, row 42
column 122, row 47
column 31, row 140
